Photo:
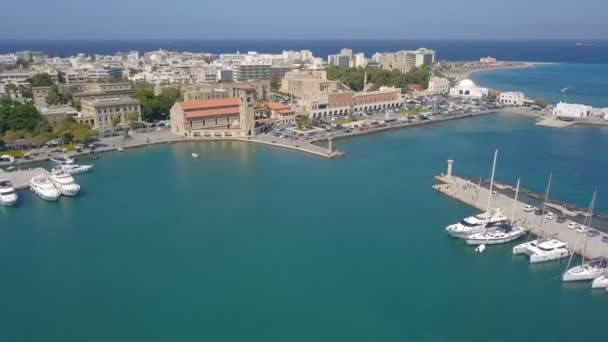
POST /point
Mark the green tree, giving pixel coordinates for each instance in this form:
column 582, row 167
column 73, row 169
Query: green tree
column 68, row 137
column 132, row 117
column 115, row 121
column 274, row 84
column 539, row 101
column 26, row 91
column 11, row 88
column 303, row 122
column 41, row 80
column 60, row 77
column 22, row 63
column 53, row 97
column 77, row 105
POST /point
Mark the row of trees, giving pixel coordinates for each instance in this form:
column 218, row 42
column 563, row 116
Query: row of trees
column 22, row 121
column 155, row 107
column 354, row 77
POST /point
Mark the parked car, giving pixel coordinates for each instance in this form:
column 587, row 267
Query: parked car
column 540, row 212
column 561, row 219
column 550, row 216
column 582, row 229
column 592, row 233
column 605, row 238
column 530, row 208
column 572, row 225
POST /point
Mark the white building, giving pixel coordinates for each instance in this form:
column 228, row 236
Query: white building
column 512, row 98
column 358, row 60
column 468, row 89
column 439, row 85
column 572, row 110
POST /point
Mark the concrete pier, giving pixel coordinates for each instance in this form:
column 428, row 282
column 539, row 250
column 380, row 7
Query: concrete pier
column 476, row 196
column 21, row 179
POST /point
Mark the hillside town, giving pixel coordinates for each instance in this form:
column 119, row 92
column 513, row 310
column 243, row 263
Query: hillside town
column 293, row 94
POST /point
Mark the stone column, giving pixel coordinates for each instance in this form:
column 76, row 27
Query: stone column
column 450, row 162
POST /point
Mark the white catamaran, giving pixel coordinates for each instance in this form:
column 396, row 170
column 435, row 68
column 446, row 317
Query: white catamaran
column 542, row 250
column 478, row 223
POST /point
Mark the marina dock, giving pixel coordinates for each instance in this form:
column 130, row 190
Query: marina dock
column 21, row 178
column 477, row 196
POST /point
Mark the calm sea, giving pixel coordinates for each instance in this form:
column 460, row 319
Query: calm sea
column 595, row 51
column 253, row 243
column 584, row 83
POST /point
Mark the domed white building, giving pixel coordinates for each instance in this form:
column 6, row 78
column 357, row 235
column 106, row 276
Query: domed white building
column 468, row 89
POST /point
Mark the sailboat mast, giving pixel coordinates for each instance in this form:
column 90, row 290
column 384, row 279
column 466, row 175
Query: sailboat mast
column 492, row 180
column 542, row 216
column 589, row 216
column 515, row 202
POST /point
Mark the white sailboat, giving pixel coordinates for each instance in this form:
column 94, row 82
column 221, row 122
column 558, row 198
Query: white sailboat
column 600, row 282
column 478, row 223
column 590, row 269
column 500, row 234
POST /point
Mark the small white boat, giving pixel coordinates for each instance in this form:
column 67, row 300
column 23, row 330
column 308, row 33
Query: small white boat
column 75, row 169
column 480, row 248
column 563, row 91
column 64, row 182
column 8, row 196
column 62, row 160
column 600, row 282
column 42, row 186
column 194, row 155
column 120, row 149
column 587, row 271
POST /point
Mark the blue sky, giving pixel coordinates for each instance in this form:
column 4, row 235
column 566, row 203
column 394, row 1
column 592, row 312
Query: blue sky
column 250, row 19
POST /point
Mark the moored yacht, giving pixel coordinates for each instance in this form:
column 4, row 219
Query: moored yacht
column 75, row 169
column 547, row 250
column 476, row 224
column 42, row 186
column 503, row 233
column 587, row 271
column 600, row 282
column 8, row 196
column 64, row 182
column 62, row 160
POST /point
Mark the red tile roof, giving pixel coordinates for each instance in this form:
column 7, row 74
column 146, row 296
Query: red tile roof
column 215, row 107
column 204, row 104
column 277, row 106
column 246, row 87
column 212, row 112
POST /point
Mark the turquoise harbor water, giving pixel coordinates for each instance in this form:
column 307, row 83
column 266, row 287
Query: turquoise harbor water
column 262, row 244
column 586, row 83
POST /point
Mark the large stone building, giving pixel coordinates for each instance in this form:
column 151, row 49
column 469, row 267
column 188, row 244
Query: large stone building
column 405, row 60
column 572, row 110
column 467, row 89
column 438, row 85
column 246, row 72
column 222, row 90
column 512, row 98
column 348, row 102
column 103, row 113
column 84, row 91
column 54, row 114
column 302, row 84
column 233, row 116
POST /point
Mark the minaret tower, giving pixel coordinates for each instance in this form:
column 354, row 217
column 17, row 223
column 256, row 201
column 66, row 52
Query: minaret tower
column 246, row 109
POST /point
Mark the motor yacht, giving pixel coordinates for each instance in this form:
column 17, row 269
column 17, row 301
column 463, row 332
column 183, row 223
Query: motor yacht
column 62, row 160
column 545, row 250
column 502, row 233
column 476, row 224
column 600, row 282
column 587, row 271
column 8, row 196
column 64, row 182
column 42, row 186
column 75, row 169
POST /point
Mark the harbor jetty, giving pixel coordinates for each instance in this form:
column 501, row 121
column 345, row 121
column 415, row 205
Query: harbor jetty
column 474, row 195
column 21, row 178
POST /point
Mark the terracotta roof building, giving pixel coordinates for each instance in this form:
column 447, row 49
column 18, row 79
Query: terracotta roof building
column 215, row 116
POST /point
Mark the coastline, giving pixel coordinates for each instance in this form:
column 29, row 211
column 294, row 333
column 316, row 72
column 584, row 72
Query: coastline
column 513, row 65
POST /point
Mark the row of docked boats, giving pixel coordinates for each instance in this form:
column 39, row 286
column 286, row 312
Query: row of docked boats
column 492, row 228
column 50, row 187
